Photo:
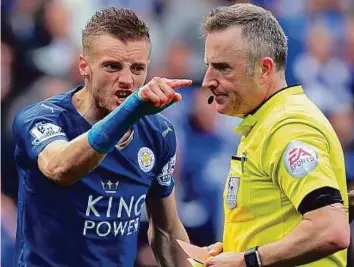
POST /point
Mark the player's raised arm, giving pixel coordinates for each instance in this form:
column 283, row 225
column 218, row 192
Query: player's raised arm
column 66, row 162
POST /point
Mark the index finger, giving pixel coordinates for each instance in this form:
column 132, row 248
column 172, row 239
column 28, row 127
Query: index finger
column 178, row 83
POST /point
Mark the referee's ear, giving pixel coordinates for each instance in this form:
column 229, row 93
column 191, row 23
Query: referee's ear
column 267, row 68
column 351, row 205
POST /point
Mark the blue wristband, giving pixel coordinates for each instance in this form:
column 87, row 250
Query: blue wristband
column 105, row 134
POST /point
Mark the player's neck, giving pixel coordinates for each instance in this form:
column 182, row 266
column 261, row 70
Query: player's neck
column 85, row 105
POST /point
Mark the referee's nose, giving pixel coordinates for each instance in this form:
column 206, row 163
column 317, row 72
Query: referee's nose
column 210, row 81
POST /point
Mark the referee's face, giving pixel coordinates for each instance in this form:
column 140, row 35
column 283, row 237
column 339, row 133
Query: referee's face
column 236, row 92
column 114, row 69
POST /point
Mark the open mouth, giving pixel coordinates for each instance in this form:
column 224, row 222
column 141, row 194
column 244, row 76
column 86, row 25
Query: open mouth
column 123, row 94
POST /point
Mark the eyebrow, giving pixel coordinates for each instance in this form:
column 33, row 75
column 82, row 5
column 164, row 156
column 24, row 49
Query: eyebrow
column 112, row 61
column 220, row 64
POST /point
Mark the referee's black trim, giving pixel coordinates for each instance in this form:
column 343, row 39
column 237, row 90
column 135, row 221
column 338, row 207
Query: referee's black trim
column 319, row 198
column 257, row 108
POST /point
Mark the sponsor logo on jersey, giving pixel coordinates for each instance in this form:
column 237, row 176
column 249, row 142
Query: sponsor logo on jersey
column 166, row 176
column 232, row 190
column 168, row 129
column 112, row 216
column 300, row 159
column 43, row 131
column 110, row 187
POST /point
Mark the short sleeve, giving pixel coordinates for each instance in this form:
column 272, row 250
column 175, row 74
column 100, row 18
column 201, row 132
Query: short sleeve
column 164, row 182
column 37, row 126
column 297, row 159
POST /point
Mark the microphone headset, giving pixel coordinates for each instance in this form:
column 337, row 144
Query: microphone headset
column 210, row 99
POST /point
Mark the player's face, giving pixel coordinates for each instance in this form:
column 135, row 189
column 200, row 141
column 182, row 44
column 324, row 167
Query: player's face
column 115, row 69
column 236, row 92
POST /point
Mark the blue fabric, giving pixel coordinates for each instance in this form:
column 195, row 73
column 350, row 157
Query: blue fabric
column 96, row 221
column 106, row 133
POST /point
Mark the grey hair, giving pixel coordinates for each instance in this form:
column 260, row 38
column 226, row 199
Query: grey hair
column 260, row 29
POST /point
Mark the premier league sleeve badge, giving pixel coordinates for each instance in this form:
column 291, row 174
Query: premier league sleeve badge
column 232, row 190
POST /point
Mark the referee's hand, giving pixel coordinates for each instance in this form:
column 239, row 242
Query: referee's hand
column 162, row 91
column 215, row 249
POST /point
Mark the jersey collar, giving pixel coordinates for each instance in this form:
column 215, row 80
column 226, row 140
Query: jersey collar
column 250, row 120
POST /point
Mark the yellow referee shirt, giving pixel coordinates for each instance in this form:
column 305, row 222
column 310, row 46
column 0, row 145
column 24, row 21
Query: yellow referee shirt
column 288, row 149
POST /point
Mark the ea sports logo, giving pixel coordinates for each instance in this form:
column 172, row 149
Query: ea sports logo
column 300, row 159
column 296, row 154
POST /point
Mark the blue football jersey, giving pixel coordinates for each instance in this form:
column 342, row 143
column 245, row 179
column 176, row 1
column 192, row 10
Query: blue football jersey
column 94, row 222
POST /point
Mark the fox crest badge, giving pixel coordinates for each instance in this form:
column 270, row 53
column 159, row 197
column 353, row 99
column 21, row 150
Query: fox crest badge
column 232, row 190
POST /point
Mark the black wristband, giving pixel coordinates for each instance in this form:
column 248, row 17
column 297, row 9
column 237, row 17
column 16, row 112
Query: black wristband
column 252, row 258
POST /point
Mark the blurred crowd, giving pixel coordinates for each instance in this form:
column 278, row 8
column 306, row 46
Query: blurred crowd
column 40, row 44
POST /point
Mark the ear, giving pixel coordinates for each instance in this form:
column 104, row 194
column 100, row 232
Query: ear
column 267, row 68
column 83, row 66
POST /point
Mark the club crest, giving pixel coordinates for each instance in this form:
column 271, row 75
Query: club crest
column 146, row 159
column 232, row 190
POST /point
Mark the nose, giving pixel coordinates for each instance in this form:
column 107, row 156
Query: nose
column 210, row 80
column 125, row 78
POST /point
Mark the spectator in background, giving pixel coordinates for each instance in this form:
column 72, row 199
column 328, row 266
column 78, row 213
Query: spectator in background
column 57, row 57
column 7, row 56
column 349, row 50
column 322, row 72
column 24, row 23
column 343, row 124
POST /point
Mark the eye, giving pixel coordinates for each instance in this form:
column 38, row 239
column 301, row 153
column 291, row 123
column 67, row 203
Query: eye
column 223, row 67
column 112, row 67
column 138, row 69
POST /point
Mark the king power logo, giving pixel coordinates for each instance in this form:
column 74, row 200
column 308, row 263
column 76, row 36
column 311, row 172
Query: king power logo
column 111, row 214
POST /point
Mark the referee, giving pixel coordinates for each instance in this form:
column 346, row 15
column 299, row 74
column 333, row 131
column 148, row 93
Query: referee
column 285, row 196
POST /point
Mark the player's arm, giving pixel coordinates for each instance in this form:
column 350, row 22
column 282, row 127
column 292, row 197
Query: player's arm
column 315, row 192
column 66, row 162
column 322, row 232
column 164, row 228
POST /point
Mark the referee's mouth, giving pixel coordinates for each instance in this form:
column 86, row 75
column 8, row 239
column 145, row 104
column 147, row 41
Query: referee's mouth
column 219, row 96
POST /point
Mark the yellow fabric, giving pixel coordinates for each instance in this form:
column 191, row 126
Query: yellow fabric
column 261, row 195
column 194, row 263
